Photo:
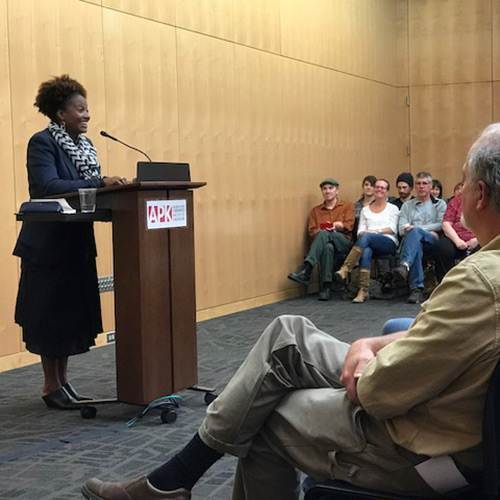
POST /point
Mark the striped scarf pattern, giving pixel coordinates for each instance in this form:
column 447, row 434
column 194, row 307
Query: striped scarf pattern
column 82, row 154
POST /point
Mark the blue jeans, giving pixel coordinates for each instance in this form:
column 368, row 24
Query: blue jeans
column 396, row 325
column 374, row 244
column 412, row 252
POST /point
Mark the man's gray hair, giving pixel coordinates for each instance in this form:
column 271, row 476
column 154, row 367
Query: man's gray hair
column 424, row 175
column 484, row 161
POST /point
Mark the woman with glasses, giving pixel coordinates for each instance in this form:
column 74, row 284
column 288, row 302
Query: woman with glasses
column 377, row 231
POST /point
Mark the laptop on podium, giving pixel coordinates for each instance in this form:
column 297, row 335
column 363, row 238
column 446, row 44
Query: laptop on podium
column 162, row 171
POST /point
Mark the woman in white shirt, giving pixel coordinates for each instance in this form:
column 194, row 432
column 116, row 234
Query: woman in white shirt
column 377, row 232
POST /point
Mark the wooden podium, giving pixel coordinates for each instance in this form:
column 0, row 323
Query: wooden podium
column 155, row 308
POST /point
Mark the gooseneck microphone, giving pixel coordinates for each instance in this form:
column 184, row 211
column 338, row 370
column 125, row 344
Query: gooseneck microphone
column 105, row 134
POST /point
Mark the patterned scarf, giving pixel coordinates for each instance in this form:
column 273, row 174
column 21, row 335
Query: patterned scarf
column 82, row 153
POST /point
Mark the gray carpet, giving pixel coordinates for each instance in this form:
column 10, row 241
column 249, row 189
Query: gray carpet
column 48, row 454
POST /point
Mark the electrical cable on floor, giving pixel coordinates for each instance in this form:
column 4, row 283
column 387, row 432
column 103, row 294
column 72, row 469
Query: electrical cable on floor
column 174, row 400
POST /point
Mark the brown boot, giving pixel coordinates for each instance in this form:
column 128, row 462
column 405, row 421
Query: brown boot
column 364, row 283
column 350, row 262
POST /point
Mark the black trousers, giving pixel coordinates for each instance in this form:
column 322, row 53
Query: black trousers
column 445, row 253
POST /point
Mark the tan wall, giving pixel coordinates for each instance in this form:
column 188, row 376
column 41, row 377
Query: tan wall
column 454, row 68
column 262, row 98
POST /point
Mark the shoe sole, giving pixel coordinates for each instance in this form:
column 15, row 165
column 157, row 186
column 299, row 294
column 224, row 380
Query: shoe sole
column 293, row 278
column 88, row 494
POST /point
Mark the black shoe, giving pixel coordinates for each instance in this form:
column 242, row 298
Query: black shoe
column 400, row 273
column 303, row 276
column 416, row 296
column 326, row 293
column 72, row 392
column 61, row 400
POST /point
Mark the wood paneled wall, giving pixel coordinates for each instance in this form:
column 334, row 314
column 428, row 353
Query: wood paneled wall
column 454, row 61
column 262, row 98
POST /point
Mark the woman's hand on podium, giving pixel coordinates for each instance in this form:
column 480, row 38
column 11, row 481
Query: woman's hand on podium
column 115, row 181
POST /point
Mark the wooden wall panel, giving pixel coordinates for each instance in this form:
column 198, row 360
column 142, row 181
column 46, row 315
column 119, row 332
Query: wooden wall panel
column 141, row 90
column 356, row 37
column 263, row 98
column 402, row 46
column 156, row 10
column 207, row 123
column 263, row 131
column 257, row 24
column 445, row 120
column 450, row 41
column 211, row 17
column 496, row 102
column 9, row 334
column 496, row 39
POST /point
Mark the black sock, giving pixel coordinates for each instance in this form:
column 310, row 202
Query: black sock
column 185, row 468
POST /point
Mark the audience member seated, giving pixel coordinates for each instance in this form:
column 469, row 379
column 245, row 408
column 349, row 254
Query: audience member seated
column 456, row 191
column 368, row 186
column 378, row 227
column 404, row 185
column 378, row 413
column 457, row 242
column 437, row 189
column 330, row 224
column 420, row 220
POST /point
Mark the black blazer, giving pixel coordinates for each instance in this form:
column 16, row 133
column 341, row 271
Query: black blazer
column 51, row 172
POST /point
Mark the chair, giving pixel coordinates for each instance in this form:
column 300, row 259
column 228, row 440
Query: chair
column 487, row 489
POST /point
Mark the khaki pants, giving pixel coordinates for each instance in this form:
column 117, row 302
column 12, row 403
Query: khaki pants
column 285, row 409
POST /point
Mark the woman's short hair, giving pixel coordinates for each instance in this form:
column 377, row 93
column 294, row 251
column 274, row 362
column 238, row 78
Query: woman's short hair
column 55, row 93
column 369, row 178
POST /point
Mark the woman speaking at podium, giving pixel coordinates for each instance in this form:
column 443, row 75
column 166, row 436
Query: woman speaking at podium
column 58, row 304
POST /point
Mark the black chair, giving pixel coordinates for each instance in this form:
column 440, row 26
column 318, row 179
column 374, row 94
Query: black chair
column 487, row 489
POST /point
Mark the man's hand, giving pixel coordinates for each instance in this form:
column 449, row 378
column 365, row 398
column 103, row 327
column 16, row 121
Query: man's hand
column 338, row 225
column 358, row 356
column 406, row 229
column 361, row 352
column 461, row 244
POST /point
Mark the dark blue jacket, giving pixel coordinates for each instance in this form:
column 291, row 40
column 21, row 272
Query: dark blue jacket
column 51, row 172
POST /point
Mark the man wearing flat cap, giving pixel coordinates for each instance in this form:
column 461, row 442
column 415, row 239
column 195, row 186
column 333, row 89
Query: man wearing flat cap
column 330, row 224
column 404, row 185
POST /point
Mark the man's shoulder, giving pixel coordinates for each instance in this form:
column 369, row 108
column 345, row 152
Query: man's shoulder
column 439, row 203
column 410, row 204
column 483, row 264
column 345, row 203
column 318, row 207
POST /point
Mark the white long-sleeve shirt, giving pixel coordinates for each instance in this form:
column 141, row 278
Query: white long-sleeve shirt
column 387, row 218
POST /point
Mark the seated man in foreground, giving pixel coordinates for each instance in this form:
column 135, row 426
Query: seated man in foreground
column 372, row 414
column 420, row 220
column 330, row 226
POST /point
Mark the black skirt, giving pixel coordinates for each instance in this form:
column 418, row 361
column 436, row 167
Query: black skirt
column 58, row 307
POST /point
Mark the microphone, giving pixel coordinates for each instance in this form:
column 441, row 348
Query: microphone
column 105, row 134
